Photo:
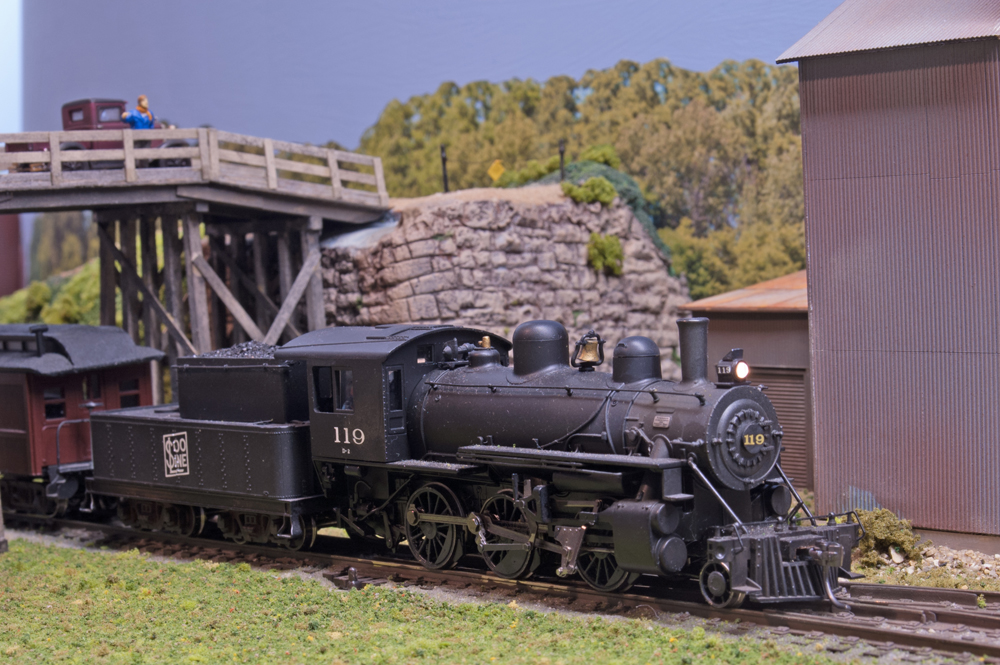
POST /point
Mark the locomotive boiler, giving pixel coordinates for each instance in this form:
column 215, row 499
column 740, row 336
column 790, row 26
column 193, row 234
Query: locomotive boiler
column 434, row 440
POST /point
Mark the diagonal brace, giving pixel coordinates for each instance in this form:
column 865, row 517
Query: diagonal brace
column 228, row 298
column 251, row 286
column 128, row 271
column 294, row 295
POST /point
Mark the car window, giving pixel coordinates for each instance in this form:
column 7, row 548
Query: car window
column 109, row 114
column 76, row 115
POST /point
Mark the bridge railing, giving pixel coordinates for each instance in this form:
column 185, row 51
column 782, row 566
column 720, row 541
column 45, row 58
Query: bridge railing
column 124, row 157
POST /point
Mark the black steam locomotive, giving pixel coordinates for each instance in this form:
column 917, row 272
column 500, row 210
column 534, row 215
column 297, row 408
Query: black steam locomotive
column 428, row 437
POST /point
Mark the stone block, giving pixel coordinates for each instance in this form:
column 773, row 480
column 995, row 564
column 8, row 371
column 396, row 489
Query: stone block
column 400, row 291
column 571, row 254
column 422, row 308
column 547, row 261
column 396, row 312
column 404, row 270
column 433, row 283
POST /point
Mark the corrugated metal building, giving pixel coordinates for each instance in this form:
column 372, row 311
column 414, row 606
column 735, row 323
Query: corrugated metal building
column 901, row 140
column 769, row 321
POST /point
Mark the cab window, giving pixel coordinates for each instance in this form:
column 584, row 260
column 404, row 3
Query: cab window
column 333, row 389
column 55, row 403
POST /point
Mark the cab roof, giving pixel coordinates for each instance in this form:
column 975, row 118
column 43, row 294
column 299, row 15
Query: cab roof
column 372, row 342
column 69, row 349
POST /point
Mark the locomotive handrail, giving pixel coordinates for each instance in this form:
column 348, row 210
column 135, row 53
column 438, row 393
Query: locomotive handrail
column 652, row 392
column 801, row 504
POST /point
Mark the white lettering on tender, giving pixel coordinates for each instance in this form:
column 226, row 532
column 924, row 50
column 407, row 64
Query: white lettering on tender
column 175, row 455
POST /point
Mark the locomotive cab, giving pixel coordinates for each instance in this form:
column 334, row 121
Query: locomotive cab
column 360, row 379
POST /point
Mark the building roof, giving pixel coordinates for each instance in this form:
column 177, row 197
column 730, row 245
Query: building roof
column 868, row 25
column 69, row 349
column 778, row 296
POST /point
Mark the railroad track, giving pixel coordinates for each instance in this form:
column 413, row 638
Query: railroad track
column 921, row 620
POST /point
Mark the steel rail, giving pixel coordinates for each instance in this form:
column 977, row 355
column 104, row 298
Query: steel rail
column 874, row 607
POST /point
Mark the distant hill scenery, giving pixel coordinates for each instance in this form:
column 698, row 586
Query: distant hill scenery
column 710, row 160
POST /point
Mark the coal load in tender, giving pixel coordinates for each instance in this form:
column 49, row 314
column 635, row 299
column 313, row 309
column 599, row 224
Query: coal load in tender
column 243, row 383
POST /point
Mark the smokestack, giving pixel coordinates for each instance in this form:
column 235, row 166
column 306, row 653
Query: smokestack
column 694, row 349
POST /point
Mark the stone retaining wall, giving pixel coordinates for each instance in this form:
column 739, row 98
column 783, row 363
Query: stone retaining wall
column 501, row 258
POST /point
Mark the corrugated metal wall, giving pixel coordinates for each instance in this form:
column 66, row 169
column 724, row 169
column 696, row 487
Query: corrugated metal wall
column 901, row 155
column 787, row 391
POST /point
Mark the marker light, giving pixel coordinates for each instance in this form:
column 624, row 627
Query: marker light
column 742, row 370
column 732, row 369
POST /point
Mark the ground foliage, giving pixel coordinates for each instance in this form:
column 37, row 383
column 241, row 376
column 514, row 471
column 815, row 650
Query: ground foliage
column 886, row 532
column 61, row 241
column 67, row 605
column 719, row 152
column 605, row 254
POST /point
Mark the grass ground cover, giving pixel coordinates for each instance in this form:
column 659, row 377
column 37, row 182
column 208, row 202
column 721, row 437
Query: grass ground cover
column 65, row 605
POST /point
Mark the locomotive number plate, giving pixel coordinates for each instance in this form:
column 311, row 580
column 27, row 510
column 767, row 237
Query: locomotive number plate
column 661, row 421
column 176, row 461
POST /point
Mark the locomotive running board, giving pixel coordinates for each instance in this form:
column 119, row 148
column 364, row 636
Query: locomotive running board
column 557, row 460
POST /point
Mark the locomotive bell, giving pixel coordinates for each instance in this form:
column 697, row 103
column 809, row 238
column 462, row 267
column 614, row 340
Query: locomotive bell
column 589, row 352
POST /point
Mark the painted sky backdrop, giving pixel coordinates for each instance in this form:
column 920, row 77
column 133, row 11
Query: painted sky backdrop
column 315, row 70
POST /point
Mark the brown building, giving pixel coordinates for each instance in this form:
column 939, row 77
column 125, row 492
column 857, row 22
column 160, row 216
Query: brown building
column 901, row 141
column 769, row 321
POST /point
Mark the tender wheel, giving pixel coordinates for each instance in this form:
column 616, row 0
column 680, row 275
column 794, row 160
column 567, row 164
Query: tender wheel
column 190, row 520
column 509, row 563
column 433, row 544
column 716, row 586
column 600, row 570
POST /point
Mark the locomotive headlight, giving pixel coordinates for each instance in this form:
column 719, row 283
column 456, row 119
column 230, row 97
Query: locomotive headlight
column 742, row 370
column 732, row 369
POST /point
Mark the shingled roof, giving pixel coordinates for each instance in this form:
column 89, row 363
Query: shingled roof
column 783, row 295
column 868, row 25
column 69, row 349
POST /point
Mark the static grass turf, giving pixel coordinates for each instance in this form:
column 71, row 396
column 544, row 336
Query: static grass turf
column 63, row 605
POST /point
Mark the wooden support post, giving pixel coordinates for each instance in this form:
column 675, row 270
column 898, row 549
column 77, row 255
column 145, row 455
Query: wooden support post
column 294, row 295
column 197, row 300
column 150, row 266
column 260, row 276
column 55, row 159
column 237, row 250
column 130, row 298
column 172, row 290
column 284, row 264
column 235, row 308
column 204, row 154
column 285, row 274
column 129, row 144
column 331, row 161
column 108, row 308
column 269, row 164
column 315, row 311
column 130, row 276
column 216, row 312
column 383, row 194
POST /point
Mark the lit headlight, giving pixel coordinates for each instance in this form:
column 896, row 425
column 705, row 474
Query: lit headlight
column 732, row 369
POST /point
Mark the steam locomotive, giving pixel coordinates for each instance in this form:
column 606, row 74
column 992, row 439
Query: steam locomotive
column 430, row 438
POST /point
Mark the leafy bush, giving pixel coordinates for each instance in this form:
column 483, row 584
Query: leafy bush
column 604, row 253
column 884, row 531
column 593, row 190
column 72, row 299
column 533, row 170
column 602, row 154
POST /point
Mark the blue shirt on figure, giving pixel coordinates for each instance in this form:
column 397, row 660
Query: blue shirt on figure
column 141, row 117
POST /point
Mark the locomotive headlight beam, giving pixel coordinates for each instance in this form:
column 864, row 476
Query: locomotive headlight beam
column 742, row 370
column 732, row 369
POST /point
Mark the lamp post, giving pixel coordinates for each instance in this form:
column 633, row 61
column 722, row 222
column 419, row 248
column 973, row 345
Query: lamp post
column 562, row 159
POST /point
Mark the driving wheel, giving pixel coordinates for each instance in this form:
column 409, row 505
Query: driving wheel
column 434, row 544
column 504, row 556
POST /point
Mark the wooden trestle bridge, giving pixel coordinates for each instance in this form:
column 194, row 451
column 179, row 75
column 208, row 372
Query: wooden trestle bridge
column 260, row 202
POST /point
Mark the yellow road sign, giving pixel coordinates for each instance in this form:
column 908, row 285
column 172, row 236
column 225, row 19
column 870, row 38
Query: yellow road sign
column 496, row 170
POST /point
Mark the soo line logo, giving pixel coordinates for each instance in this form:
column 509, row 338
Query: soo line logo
column 175, row 455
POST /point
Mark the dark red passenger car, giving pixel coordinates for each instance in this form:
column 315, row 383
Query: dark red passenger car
column 51, row 379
